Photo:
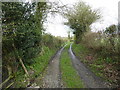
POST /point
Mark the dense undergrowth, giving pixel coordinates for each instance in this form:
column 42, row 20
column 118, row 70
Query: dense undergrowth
column 36, row 68
column 100, row 56
column 26, row 49
column 99, row 50
column 70, row 77
column 40, row 62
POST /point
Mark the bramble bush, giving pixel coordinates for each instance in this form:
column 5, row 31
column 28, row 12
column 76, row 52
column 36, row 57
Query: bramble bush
column 106, row 45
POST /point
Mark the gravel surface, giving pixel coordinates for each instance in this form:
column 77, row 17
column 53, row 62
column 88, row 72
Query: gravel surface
column 52, row 77
column 90, row 79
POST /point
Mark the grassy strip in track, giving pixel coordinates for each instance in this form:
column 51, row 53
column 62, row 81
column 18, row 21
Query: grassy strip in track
column 70, row 77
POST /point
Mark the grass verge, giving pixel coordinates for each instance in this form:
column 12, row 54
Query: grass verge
column 36, row 68
column 101, row 66
column 69, row 75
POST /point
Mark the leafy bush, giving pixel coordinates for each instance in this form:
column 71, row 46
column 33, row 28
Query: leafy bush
column 21, row 34
column 52, row 41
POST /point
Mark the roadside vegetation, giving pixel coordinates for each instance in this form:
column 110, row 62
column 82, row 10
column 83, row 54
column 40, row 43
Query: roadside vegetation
column 99, row 50
column 37, row 68
column 26, row 49
column 100, row 56
column 70, row 77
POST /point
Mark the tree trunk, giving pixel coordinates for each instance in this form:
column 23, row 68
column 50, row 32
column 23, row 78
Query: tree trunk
column 78, row 37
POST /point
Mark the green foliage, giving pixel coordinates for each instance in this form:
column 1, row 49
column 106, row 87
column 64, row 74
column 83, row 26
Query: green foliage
column 80, row 50
column 20, row 79
column 111, row 29
column 111, row 34
column 69, row 74
column 96, row 65
column 24, row 38
column 41, row 61
column 100, row 43
column 21, row 31
column 80, row 18
column 99, row 54
column 52, row 41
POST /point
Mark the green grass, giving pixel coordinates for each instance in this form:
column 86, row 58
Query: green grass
column 20, row 79
column 80, row 51
column 69, row 74
column 40, row 63
column 96, row 65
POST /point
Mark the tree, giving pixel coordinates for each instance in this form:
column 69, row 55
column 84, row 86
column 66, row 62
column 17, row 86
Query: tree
column 111, row 33
column 22, row 25
column 80, row 18
column 13, row 14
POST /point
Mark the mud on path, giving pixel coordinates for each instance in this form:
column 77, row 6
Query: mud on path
column 90, row 79
column 52, row 76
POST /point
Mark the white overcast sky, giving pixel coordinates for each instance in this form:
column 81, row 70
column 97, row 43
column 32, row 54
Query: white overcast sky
column 109, row 12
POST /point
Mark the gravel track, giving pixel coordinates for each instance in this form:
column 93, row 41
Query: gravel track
column 90, row 79
column 52, row 77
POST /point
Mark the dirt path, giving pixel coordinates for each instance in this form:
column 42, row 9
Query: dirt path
column 52, row 77
column 89, row 79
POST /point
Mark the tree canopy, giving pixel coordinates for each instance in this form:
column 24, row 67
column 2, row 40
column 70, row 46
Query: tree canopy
column 80, row 18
